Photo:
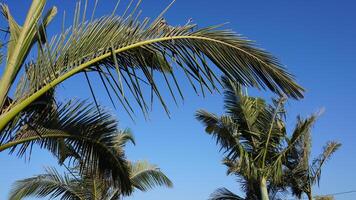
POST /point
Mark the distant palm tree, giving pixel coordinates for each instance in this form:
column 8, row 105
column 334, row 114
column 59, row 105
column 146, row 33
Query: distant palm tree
column 302, row 174
column 254, row 139
column 128, row 55
column 143, row 175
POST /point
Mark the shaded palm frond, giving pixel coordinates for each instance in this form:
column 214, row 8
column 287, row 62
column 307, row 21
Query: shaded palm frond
column 240, row 106
column 91, row 133
column 145, row 176
column 224, row 194
column 220, row 128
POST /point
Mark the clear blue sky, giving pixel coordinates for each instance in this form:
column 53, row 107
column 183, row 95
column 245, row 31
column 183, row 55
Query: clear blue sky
column 315, row 40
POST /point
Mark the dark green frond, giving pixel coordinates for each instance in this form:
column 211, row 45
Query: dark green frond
column 220, row 128
column 91, row 133
column 224, row 194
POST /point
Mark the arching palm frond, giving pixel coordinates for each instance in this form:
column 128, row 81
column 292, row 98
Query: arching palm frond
column 224, row 194
column 120, row 48
column 91, row 133
column 329, row 149
column 240, row 106
column 219, row 127
column 145, row 176
column 51, row 184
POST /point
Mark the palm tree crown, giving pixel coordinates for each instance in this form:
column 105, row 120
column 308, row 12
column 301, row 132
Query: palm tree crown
column 81, row 182
column 254, row 139
column 73, row 186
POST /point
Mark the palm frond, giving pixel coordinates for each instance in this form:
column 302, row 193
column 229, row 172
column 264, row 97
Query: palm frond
column 91, row 133
column 221, row 128
column 145, row 176
column 329, row 149
column 51, row 184
column 224, row 194
column 21, row 41
column 127, row 47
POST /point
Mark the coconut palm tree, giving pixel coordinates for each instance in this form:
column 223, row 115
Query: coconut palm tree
column 83, row 181
column 303, row 174
column 52, row 184
column 128, row 54
column 254, row 140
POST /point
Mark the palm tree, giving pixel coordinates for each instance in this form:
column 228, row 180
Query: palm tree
column 253, row 137
column 76, row 130
column 143, row 175
column 83, row 180
column 119, row 49
column 303, row 174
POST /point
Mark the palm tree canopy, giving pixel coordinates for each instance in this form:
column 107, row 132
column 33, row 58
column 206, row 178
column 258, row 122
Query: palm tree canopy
column 52, row 184
column 253, row 136
column 85, row 182
column 76, row 130
column 119, row 48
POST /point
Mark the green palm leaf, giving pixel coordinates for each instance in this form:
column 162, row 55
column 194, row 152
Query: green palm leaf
column 92, row 134
column 128, row 47
column 51, row 184
column 22, row 38
column 329, row 149
column 145, row 176
column 224, row 194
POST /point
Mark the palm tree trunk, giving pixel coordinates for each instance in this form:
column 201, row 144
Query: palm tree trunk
column 310, row 197
column 263, row 189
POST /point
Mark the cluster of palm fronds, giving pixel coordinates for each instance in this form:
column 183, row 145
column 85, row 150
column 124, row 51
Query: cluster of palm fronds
column 258, row 149
column 81, row 182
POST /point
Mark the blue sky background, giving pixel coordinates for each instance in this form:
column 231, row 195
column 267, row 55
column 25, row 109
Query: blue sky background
column 315, row 40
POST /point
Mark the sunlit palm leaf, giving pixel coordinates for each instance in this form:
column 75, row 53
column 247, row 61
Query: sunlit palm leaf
column 51, row 184
column 129, row 48
column 22, row 39
column 145, row 176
